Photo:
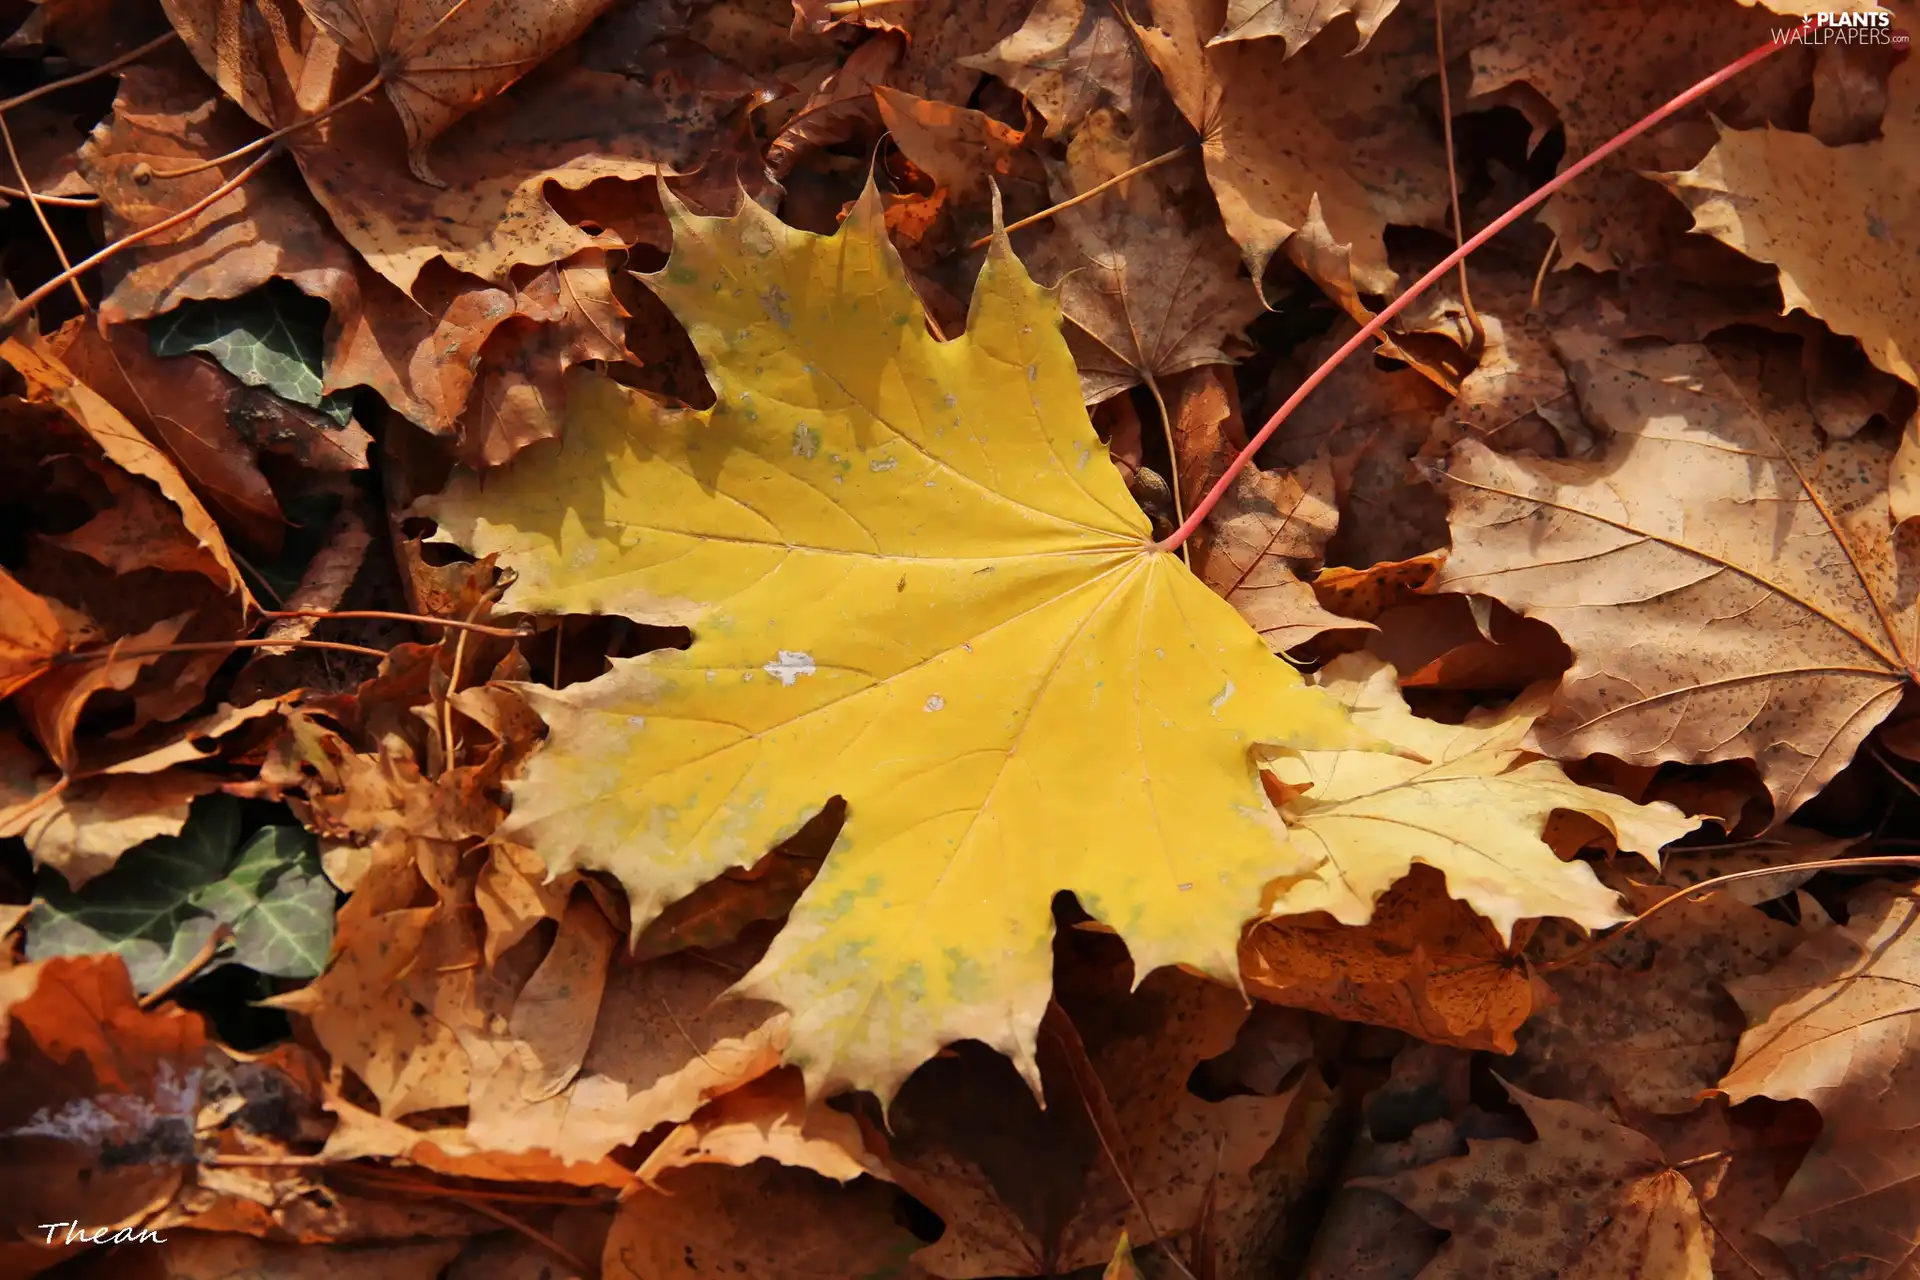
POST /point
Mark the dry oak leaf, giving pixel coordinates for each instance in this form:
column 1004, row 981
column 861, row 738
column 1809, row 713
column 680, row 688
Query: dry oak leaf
column 916, row 580
column 439, row 60
column 1738, row 594
column 1354, row 138
column 1841, row 226
column 1475, row 812
column 766, row 1119
column 1837, row 1023
column 1298, row 21
column 1587, row 1200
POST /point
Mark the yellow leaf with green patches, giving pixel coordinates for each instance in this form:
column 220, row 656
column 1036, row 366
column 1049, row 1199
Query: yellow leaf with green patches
column 914, row 580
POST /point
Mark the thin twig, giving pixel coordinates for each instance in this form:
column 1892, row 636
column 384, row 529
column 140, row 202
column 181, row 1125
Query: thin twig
column 1706, row 888
column 841, row 8
column 1540, row 276
column 61, row 202
column 221, row 192
column 204, row 646
column 237, row 1160
column 1547, row 190
column 1453, row 178
column 390, row 615
column 199, row 960
column 105, row 68
column 1118, row 178
column 40, row 214
column 1888, row 765
column 267, row 140
column 541, row 1238
column 453, row 680
column 1173, row 458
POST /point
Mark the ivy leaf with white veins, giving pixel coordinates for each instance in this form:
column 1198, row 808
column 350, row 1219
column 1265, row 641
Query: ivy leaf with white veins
column 914, row 579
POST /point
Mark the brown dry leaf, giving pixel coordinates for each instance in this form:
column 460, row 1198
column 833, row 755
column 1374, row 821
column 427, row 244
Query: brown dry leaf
column 567, row 127
column 49, row 381
column 1365, row 594
column 766, row 1119
column 1425, row 964
column 1264, row 534
column 1149, row 288
column 437, row 63
column 514, row 894
column 1602, row 68
column 137, row 530
column 164, row 118
column 1353, row 139
column 420, row 352
column 1738, row 591
column 941, row 36
column 959, row 149
column 194, row 1255
column 97, row 1116
column 764, row 1221
column 566, row 314
column 1587, row 1200
column 1459, row 642
column 1069, row 58
column 1837, row 224
column 839, row 107
column 30, row 636
column 1378, row 427
column 1298, row 21
column 1835, row 1023
column 1646, row 1021
column 181, row 403
column 1025, row 1191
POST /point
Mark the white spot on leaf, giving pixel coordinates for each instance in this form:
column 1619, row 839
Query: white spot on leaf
column 789, row 666
column 1220, row 698
column 935, row 702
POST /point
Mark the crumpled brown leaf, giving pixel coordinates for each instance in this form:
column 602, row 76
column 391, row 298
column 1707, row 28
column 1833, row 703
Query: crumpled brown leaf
column 1702, row 629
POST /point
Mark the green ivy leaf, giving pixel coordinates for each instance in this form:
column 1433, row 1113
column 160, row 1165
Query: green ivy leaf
column 163, row 899
column 279, row 903
column 271, row 337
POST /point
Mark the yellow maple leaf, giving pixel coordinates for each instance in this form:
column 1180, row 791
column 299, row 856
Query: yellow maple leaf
column 1473, row 810
column 915, row 580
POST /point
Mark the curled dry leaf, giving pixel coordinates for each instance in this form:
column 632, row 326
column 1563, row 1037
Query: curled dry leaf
column 31, row 636
column 1845, row 246
column 1739, row 593
column 1424, row 964
column 1298, row 21
column 1836, row 1023
column 1352, row 142
column 1069, row 58
column 1473, row 809
column 437, row 64
column 1586, row 1199
column 1149, row 290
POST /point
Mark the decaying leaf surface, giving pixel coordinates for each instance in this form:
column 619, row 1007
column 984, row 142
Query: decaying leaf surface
column 1425, row 964
column 1836, row 1023
column 1476, row 813
column 765, row 1220
column 1739, row 593
column 1298, row 21
column 440, row 63
column 1586, row 1199
column 1352, row 144
column 30, row 635
column 915, row 580
column 1657, row 1001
